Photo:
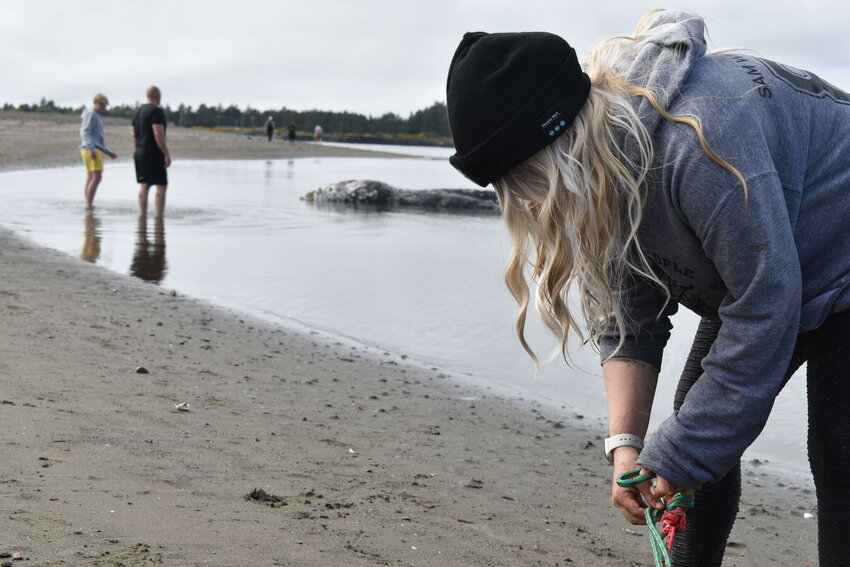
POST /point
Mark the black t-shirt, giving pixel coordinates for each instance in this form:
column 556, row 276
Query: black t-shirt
column 146, row 116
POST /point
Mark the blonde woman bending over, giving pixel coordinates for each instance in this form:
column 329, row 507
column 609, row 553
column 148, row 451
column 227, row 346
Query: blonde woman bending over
column 658, row 175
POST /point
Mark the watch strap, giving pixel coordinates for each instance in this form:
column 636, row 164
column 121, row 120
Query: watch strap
column 621, row 440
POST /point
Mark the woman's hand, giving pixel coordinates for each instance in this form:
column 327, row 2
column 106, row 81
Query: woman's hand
column 630, row 501
column 113, row 155
column 664, row 488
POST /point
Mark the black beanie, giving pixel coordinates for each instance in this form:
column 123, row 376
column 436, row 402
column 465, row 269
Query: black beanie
column 509, row 95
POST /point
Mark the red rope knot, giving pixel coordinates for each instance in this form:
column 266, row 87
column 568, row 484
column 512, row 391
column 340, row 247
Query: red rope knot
column 672, row 521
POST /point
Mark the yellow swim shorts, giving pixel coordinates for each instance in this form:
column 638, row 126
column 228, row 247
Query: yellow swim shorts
column 95, row 164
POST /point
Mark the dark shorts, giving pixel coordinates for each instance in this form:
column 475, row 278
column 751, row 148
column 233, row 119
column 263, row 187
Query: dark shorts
column 151, row 172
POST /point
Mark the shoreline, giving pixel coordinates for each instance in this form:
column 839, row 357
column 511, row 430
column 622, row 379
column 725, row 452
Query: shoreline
column 38, row 141
column 375, row 461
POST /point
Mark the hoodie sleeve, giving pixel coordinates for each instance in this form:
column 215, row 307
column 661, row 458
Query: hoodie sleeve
column 646, row 312
column 751, row 244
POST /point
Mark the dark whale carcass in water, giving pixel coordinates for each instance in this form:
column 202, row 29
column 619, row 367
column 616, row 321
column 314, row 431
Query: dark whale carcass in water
column 383, row 196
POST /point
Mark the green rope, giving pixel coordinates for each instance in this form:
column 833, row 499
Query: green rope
column 660, row 551
column 633, row 477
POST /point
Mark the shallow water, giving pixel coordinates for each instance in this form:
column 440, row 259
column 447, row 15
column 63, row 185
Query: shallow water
column 424, row 285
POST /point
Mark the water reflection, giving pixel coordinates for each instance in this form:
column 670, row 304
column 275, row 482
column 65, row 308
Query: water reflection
column 149, row 258
column 91, row 238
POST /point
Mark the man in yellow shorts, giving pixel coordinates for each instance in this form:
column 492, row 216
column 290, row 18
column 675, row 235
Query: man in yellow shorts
column 93, row 146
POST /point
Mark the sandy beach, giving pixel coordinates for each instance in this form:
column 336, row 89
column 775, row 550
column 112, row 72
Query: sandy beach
column 32, row 140
column 298, row 449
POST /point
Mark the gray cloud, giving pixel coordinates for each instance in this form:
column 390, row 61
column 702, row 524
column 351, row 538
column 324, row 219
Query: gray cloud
column 369, row 56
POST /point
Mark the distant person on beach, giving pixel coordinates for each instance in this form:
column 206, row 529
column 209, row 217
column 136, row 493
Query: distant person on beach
column 93, row 146
column 291, row 132
column 317, row 133
column 151, row 155
column 270, row 128
column 659, row 175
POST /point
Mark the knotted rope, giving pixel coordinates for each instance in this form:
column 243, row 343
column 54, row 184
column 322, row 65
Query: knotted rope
column 672, row 519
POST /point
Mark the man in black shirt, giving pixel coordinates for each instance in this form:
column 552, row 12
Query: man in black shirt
column 151, row 155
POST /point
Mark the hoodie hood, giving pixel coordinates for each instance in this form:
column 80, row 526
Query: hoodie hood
column 673, row 42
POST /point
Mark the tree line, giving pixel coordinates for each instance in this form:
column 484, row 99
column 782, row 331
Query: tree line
column 431, row 122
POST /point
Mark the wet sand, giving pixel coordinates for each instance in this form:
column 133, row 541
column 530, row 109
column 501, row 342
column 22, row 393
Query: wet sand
column 298, row 449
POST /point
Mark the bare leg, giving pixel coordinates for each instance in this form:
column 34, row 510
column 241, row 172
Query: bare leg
column 86, row 187
column 92, row 181
column 143, row 198
column 160, row 199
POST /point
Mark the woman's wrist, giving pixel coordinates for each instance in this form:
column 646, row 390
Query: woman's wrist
column 624, row 458
column 613, row 444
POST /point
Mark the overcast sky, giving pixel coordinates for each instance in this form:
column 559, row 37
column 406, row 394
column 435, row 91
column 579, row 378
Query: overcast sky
column 366, row 56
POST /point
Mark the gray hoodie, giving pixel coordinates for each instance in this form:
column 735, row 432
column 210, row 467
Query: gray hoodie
column 768, row 264
column 91, row 131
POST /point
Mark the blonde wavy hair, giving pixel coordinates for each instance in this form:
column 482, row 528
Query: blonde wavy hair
column 573, row 209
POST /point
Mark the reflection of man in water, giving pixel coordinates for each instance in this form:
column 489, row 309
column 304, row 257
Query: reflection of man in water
column 149, row 257
column 91, row 241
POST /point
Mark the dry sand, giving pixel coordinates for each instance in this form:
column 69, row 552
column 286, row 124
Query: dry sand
column 32, row 140
column 363, row 459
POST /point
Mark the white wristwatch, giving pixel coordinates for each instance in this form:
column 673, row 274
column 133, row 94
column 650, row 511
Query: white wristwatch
column 621, row 440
